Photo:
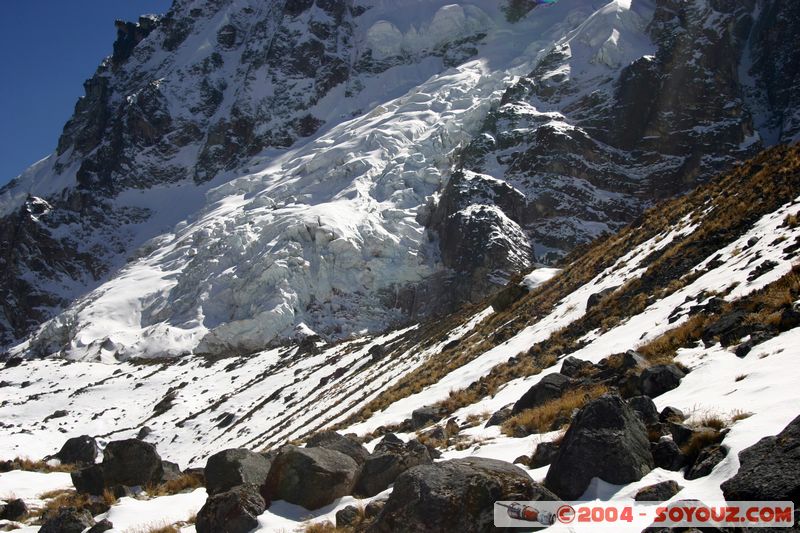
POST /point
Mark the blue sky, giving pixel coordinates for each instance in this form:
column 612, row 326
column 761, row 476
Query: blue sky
column 47, row 49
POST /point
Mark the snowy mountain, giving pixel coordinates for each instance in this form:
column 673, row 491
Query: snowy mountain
column 704, row 287
column 243, row 172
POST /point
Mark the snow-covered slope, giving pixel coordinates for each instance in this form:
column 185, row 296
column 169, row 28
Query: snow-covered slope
column 241, row 173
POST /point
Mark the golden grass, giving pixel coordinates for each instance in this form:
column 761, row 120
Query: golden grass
column 662, row 349
column 540, row 419
column 30, row 465
column 700, row 439
column 739, row 415
column 174, row 486
column 792, row 220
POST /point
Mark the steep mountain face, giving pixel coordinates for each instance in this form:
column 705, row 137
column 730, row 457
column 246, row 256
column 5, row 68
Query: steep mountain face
column 633, row 106
column 240, row 172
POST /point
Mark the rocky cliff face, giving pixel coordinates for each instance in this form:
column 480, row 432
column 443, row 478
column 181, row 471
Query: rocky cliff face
column 633, row 106
column 242, row 172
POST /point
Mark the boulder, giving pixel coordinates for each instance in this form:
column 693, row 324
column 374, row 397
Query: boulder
column 67, row 520
column 13, row 510
column 455, row 495
column 334, row 441
column 575, row 368
column 81, row 450
column 729, row 328
column 311, row 477
column 425, row 415
column 681, row 433
column 550, row 387
column 347, row 517
column 89, row 480
column 671, row 414
column 708, row 458
column 645, row 408
column 131, row 462
column 660, row 492
column 101, row 526
column 498, row 417
column 605, row 440
column 633, row 360
column 374, row 508
column 667, row 455
column 233, row 511
column 658, row 379
column 544, row 455
column 389, row 460
column 171, row 471
column 229, row 468
column 769, row 469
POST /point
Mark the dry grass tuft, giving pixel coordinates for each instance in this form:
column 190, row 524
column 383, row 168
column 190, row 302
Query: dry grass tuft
column 662, row 349
column 739, row 415
column 29, row 465
column 174, row 486
column 541, row 419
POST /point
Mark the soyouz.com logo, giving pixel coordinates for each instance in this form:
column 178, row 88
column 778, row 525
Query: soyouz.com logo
column 640, row 514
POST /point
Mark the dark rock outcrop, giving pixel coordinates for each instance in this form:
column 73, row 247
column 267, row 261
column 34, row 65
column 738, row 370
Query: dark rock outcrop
column 658, row 379
column 550, row 387
column 645, row 408
column 13, row 510
column 667, row 455
column 606, row 440
column 101, row 526
column 707, row 459
column 389, row 460
column 311, row 477
column 660, row 492
column 67, row 520
column 455, row 495
column 130, row 462
column 425, row 415
column 769, row 469
column 229, row 468
column 232, row 511
column 81, row 450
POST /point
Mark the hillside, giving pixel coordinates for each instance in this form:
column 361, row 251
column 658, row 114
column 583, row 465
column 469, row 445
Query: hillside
column 704, row 287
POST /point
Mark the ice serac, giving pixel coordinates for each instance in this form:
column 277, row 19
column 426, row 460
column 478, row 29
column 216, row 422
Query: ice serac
column 240, row 172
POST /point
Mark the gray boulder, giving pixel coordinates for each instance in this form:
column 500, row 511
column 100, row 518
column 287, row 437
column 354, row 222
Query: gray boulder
column 550, row 387
column 605, row 440
column 229, row 468
column 498, row 417
column 769, row 469
column 658, row 379
column 455, row 495
column 311, row 477
column 341, row 443
column 67, row 520
column 425, row 415
column 232, row 511
column 391, row 458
